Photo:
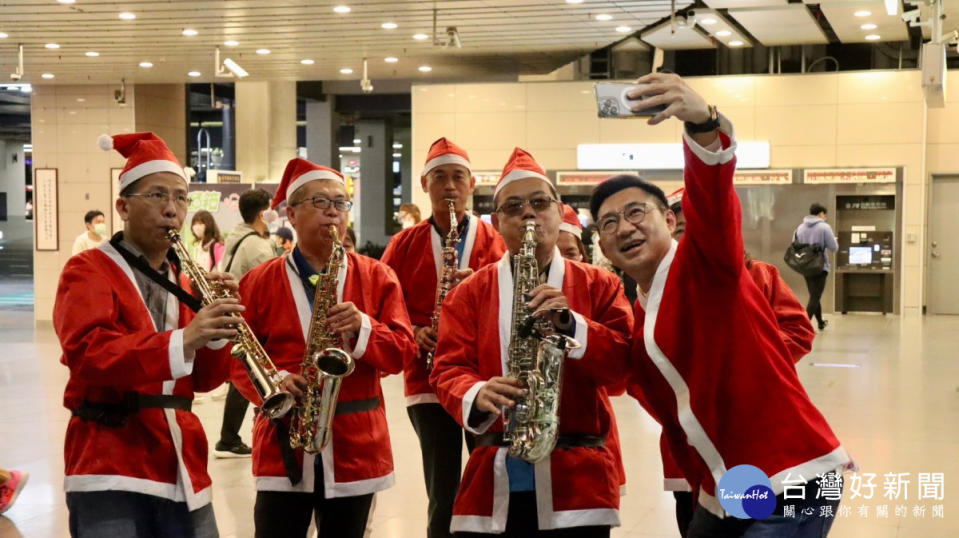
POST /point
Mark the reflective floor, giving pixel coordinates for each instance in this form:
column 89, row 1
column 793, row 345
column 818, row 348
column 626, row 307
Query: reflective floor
column 889, row 387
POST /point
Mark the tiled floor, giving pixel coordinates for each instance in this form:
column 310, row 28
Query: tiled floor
column 895, row 411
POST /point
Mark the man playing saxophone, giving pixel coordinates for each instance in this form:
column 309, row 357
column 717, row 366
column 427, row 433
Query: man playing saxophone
column 574, row 489
column 367, row 316
column 425, row 265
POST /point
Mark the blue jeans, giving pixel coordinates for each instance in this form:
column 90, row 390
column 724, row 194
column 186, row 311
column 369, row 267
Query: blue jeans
column 124, row 514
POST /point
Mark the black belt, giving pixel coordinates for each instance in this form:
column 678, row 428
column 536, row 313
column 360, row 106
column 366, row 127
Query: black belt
column 115, row 415
column 568, row 440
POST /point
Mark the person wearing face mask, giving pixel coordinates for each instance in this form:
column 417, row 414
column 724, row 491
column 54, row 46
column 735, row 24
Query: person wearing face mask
column 416, row 254
column 95, row 233
column 335, row 486
column 574, row 491
column 209, row 242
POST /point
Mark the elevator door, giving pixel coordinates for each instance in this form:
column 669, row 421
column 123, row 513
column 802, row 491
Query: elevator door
column 942, row 297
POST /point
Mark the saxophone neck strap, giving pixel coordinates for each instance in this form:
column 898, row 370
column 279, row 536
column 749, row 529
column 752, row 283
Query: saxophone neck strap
column 139, row 264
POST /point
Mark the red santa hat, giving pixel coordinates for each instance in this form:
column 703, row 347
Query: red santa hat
column 521, row 165
column 676, row 196
column 445, row 152
column 571, row 222
column 299, row 172
column 146, row 154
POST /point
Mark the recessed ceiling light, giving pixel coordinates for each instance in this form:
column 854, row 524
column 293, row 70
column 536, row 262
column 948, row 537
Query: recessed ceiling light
column 604, row 17
column 194, row 74
column 624, row 29
column 190, row 32
column 342, row 9
column 92, row 53
column 67, row 1
column 52, row 46
column 397, row 155
column 862, row 13
column 723, row 33
column 127, row 16
column 263, row 51
column 391, row 59
column 872, row 37
column 4, row 35
column 708, row 22
column 47, row 75
column 425, row 69
column 420, row 37
column 868, row 26
column 389, row 26
column 231, row 43
column 397, row 145
column 736, row 43
column 146, row 64
column 307, row 61
column 346, row 71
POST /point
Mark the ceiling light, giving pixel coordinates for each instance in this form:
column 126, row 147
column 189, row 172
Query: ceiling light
column 425, row 69
column 4, row 35
column 127, row 16
column 92, row 53
column 872, row 37
column 420, row 37
column 346, row 71
column 190, row 32
column 389, row 26
column 47, row 75
column 604, row 17
column 397, row 145
column 231, row 43
column 307, row 61
column 193, row 74
column 146, row 64
column 862, row 13
column 868, row 26
column 736, row 43
column 52, row 46
column 234, row 68
column 892, row 7
column 574, row 1
column 723, row 33
column 624, row 29
column 391, row 59
column 397, row 155
column 707, row 22
column 342, row 9
column 67, row 1
column 263, row 52
column 357, row 141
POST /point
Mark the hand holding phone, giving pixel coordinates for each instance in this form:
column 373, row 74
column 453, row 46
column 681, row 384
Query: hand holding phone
column 613, row 101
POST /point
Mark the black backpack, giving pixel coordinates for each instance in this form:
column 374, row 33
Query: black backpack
column 805, row 259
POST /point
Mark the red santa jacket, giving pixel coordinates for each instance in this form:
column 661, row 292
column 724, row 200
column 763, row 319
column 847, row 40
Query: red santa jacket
column 576, row 486
column 358, row 460
column 111, row 346
column 796, row 332
column 416, row 254
column 731, row 392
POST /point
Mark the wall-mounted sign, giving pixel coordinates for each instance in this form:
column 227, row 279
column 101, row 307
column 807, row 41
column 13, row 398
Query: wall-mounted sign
column 224, row 176
column 763, row 177
column 849, row 175
column 486, row 178
column 658, row 156
column 577, row 177
column 46, row 209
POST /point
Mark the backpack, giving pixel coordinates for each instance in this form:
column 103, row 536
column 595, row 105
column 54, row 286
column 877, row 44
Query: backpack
column 804, row 258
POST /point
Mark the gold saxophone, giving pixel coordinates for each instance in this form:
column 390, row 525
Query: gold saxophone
column 536, row 355
column 324, row 365
column 450, row 266
column 246, row 347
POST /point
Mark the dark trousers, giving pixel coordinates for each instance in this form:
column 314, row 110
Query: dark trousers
column 521, row 522
column 282, row 514
column 234, row 410
column 124, row 514
column 816, row 284
column 441, row 443
column 684, row 510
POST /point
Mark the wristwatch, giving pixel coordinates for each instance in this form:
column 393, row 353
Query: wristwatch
column 709, row 125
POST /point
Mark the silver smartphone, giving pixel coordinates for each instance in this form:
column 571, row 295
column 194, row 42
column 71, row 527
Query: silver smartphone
column 611, row 101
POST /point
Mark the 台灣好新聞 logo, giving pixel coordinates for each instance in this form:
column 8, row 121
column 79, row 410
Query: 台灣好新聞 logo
column 746, row 492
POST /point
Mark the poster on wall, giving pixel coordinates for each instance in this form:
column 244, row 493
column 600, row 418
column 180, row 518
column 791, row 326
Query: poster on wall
column 46, row 209
column 577, row 177
column 222, row 200
column 763, row 177
column 488, row 179
column 849, row 175
column 116, row 224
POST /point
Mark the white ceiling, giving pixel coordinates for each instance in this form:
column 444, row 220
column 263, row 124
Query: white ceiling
column 842, row 16
column 784, row 25
column 666, row 37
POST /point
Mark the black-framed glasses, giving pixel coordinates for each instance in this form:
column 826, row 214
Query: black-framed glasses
column 322, row 203
column 513, row 207
column 633, row 213
column 162, row 198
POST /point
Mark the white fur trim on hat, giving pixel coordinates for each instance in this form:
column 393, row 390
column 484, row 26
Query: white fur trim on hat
column 449, row 158
column 310, row 176
column 575, row 230
column 105, row 142
column 150, row 167
column 518, row 174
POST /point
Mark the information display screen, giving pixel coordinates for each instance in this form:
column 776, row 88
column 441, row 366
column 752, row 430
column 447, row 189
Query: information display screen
column 860, row 255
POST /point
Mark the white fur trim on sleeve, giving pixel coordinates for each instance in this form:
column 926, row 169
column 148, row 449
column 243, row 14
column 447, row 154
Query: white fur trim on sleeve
column 468, row 400
column 362, row 339
column 180, row 365
column 582, row 329
column 715, row 155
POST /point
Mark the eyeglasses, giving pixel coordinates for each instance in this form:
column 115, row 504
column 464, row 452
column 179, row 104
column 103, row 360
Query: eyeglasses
column 321, row 203
column 634, row 213
column 513, row 207
column 162, row 198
